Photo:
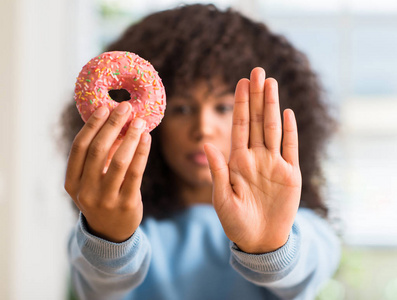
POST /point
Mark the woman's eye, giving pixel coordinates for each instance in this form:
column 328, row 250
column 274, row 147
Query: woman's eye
column 224, row 108
column 181, row 109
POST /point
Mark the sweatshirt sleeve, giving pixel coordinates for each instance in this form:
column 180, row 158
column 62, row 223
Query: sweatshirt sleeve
column 104, row 270
column 299, row 268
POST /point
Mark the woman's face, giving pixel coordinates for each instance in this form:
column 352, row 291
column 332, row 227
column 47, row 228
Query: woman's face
column 199, row 115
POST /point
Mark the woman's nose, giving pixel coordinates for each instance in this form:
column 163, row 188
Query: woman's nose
column 204, row 124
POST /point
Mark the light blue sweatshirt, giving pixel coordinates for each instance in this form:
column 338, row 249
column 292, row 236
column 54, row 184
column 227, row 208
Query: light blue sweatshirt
column 189, row 257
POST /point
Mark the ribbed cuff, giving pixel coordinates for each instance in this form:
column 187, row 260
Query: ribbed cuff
column 280, row 260
column 103, row 248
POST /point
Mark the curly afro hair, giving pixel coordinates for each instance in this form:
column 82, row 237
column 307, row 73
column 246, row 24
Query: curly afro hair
column 200, row 41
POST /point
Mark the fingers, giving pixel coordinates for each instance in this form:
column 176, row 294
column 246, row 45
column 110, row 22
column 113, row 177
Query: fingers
column 103, row 141
column 272, row 118
column 256, row 115
column 257, row 95
column 80, row 147
column 112, row 151
column 290, row 139
column 240, row 128
column 122, row 158
column 133, row 178
column 219, row 172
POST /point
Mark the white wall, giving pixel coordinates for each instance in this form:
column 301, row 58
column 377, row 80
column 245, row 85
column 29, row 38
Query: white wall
column 7, row 132
column 39, row 61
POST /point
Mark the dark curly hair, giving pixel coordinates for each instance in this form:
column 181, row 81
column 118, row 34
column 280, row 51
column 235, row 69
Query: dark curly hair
column 200, row 41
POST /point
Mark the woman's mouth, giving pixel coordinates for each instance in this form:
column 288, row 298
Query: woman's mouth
column 198, row 158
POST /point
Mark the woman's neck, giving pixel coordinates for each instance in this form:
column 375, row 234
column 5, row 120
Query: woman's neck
column 196, row 195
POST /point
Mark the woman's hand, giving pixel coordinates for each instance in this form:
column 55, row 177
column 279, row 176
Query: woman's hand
column 104, row 174
column 256, row 194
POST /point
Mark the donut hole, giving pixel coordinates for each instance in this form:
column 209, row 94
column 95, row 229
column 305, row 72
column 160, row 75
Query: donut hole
column 120, row 95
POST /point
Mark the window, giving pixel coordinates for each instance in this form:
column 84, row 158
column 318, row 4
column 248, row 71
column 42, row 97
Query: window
column 352, row 45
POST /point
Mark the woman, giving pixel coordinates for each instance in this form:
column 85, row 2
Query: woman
column 181, row 249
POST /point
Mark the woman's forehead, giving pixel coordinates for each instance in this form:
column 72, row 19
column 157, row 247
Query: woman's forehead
column 205, row 87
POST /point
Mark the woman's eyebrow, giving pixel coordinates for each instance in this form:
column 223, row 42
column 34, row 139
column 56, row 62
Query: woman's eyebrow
column 224, row 93
column 184, row 97
column 219, row 92
column 190, row 98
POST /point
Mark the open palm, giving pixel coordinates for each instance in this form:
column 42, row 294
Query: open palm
column 256, row 194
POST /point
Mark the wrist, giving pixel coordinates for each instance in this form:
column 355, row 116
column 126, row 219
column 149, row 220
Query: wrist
column 260, row 248
column 106, row 235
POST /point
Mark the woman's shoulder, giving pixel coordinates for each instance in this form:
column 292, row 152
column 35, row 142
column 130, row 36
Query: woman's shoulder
column 311, row 224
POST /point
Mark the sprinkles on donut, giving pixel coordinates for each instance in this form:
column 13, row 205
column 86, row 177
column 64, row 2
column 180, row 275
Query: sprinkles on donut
column 121, row 70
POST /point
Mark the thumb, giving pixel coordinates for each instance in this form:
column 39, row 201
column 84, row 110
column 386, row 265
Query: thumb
column 219, row 172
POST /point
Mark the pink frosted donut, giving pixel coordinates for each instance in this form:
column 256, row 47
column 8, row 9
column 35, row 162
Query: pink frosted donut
column 121, row 70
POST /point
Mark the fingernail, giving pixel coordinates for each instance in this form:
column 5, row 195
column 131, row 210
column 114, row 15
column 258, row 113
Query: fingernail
column 138, row 123
column 100, row 112
column 122, row 108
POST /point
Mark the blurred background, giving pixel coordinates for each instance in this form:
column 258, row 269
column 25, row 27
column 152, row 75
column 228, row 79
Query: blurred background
column 352, row 45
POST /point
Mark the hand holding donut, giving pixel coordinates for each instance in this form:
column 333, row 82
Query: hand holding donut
column 111, row 200
column 256, row 194
column 109, row 154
